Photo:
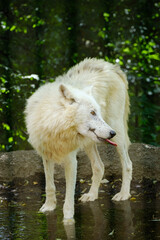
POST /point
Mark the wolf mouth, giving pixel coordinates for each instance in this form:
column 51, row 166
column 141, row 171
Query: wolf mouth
column 103, row 139
column 100, row 139
column 107, row 140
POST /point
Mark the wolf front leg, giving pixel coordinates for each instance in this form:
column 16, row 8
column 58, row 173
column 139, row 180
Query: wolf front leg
column 126, row 163
column 70, row 166
column 98, row 171
column 50, row 202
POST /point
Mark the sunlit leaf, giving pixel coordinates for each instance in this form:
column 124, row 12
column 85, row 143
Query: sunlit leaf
column 106, row 16
column 144, row 52
column 126, row 50
column 13, row 28
column 155, row 57
column 10, row 140
column 6, row 126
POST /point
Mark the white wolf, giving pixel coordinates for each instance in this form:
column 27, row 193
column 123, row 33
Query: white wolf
column 87, row 105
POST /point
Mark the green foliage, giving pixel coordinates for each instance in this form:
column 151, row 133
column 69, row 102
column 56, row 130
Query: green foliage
column 42, row 39
column 138, row 53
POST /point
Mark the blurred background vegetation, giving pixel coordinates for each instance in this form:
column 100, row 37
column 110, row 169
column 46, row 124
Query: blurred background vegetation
column 41, row 39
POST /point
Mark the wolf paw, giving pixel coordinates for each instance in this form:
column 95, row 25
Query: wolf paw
column 88, row 197
column 47, row 207
column 121, row 196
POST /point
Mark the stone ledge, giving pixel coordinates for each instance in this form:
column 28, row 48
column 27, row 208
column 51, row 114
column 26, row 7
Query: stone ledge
column 24, row 164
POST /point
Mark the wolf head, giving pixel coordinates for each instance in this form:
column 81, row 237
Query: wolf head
column 85, row 113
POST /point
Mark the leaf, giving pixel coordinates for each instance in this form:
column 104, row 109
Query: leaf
column 10, row 140
column 82, row 181
column 35, row 183
column 13, row 28
column 23, row 204
column 43, row 195
column 111, row 233
column 126, row 50
column 144, row 52
column 6, row 126
column 84, row 190
column 26, row 183
column 106, row 16
column 155, row 57
column 104, row 181
column 133, row 199
column 25, row 30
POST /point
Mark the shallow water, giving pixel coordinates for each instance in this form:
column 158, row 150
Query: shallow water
column 138, row 218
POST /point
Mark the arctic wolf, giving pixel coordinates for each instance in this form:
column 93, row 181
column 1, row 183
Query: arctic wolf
column 87, row 105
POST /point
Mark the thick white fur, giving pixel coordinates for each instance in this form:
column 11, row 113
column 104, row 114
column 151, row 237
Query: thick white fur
column 60, row 119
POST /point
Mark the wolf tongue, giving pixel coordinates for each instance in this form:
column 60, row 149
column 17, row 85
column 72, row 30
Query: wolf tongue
column 112, row 143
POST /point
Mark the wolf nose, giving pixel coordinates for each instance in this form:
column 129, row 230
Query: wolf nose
column 112, row 133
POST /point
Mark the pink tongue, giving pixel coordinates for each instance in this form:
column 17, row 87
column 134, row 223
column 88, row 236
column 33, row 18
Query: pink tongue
column 112, row 143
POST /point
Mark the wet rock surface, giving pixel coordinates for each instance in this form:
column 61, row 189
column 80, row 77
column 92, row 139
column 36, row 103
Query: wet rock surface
column 24, row 164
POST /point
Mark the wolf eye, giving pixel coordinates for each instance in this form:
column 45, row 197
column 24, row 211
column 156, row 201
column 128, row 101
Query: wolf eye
column 93, row 113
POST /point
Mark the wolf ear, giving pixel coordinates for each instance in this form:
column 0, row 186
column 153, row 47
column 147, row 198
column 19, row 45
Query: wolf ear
column 66, row 93
column 89, row 90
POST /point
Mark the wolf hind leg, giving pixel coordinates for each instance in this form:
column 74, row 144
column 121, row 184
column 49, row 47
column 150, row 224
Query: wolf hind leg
column 126, row 163
column 50, row 202
column 122, row 148
column 98, row 171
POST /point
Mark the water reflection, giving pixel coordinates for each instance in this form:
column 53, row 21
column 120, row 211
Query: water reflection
column 99, row 220
column 70, row 231
column 124, row 222
column 51, row 225
column 54, row 227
